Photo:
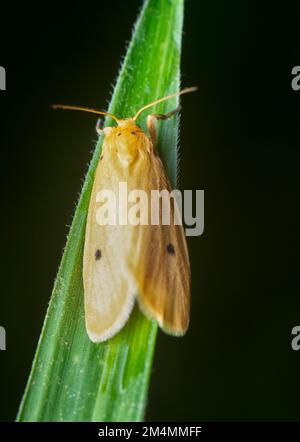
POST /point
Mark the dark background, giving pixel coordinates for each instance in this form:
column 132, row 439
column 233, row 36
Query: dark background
column 239, row 142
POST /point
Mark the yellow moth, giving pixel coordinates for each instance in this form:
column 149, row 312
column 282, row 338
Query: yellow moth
column 124, row 261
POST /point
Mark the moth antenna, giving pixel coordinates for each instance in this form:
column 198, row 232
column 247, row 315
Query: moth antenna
column 84, row 109
column 184, row 91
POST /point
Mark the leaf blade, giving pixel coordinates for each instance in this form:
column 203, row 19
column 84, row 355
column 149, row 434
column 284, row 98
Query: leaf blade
column 73, row 379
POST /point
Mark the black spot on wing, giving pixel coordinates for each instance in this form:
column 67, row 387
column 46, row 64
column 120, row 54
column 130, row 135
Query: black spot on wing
column 170, row 249
column 98, row 254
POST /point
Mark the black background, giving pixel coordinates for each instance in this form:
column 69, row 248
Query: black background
column 239, row 142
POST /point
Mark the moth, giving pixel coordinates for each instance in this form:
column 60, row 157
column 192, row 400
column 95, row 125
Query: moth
column 125, row 262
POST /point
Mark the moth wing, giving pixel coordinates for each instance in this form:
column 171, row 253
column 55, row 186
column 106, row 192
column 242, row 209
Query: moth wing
column 122, row 262
column 109, row 290
column 161, row 265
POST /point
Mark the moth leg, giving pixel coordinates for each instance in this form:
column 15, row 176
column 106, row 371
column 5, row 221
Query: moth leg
column 102, row 130
column 151, row 120
column 99, row 128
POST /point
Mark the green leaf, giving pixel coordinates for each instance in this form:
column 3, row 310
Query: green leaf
column 73, row 379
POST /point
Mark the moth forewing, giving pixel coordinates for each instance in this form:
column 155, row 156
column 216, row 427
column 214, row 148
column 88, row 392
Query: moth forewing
column 109, row 292
column 163, row 269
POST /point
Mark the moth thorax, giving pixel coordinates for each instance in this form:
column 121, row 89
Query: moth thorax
column 127, row 146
